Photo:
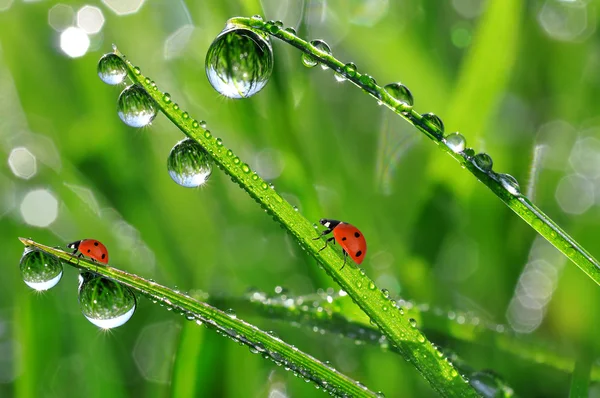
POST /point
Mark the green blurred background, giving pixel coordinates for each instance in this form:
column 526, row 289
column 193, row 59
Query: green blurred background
column 520, row 80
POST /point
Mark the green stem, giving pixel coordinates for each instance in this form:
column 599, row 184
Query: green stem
column 520, row 204
column 580, row 380
column 413, row 345
column 311, row 369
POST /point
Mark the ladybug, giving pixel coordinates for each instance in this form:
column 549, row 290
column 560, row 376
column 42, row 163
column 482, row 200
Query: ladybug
column 90, row 248
column 348, row 236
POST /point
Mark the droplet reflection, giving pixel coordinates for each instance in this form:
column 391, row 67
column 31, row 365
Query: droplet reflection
column 189, row 164
column 40, row 271
column 135, row 106
column 105, row 303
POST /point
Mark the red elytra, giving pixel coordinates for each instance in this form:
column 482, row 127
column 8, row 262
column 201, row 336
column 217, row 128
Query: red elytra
column 348, row 236
column 91, row 248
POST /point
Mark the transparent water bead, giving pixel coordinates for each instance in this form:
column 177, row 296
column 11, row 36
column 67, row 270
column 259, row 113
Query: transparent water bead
column 434, row 120
column 510, row 183
column 135, row 106
column 112, row 69
column 456, row 142
column 400, row 92
column 483, row 161
column 105, row 303
column 490, row 385
column 310, row 61
column 40, row 271
column 239, row 62
column 189, row 164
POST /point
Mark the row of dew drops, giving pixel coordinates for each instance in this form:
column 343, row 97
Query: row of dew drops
column 108, row 304
column 323, row 313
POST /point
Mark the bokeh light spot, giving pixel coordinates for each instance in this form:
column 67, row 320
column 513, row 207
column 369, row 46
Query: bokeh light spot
column 74, row 42
column 177, row 41
column 124, row 7
column 90, row 19
column 39, row 208
column 565, row 20
column 575, row 194
column 5, row 4
column 60, row 17
column 22, row 163
column 585, row 157
column 154, row 351
column 468, row 8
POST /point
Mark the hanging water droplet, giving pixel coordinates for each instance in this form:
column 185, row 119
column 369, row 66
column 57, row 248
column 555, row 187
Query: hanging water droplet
column 135, row 106
column 112, row 69
column 510, row 183
column 239, row 62
column 310, row 61
column 456, row 142
column 40, row 271
column 483, row 161
column 400, row 92
column 105, row 303
column 490, row 385
column 189, row 164
column 435, row 120
column 339, row 77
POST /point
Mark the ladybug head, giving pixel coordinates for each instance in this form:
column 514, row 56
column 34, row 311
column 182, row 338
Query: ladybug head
column 329, row 223
column 74, row 245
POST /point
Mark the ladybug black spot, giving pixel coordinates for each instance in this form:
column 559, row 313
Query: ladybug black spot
column 344, row 238
column 103, row 256
column 358, row 253
column 356, row 235
column 89, row 251
column 95, row 243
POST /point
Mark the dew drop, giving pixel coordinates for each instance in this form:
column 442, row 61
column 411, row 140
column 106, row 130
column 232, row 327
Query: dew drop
column 412, row 322
column 371, row 286
column 483, row 161
column 112, row 69
column 231, row 313
column 350, row 69
column 245, row 168
column 400, row 92
column 239, row 62
column 385, row 292
column 434, row 120
column 291, row 30
column 40, row 271
column 189, row 165
column 167, row 98
column 469, row 152
column 310, row 61
column 456, row 142
column 339, row 77
column 105, row 303
column 510, row 183
column 185, row 116
column 207, row 134
column 135, row 106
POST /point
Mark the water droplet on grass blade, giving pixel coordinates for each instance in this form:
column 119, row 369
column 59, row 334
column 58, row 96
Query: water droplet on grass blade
column 135, row 106
column 509, row 183
column 434, row 120
column 189, row 164
column 40, row 271
column 483, row 161
column 310, row 61
column 239, row 62
column 400, row 92
column 112, row 69
column 456, row 142
column 105, row 303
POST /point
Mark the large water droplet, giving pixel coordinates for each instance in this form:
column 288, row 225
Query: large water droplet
column 112, row 69
column 135, row 106
column 310, row 61
column 510, row 183
column 483, row 161
column 456, row 142
column 189, row 164
column 400, row 92
column 40, row 271
column 239, row 62
column 434, row 120
column 105, row 303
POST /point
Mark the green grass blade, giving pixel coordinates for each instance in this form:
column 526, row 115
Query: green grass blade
column 580, row 380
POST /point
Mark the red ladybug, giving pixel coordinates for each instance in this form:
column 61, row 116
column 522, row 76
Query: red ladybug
column 348, row 236
column 90, row 248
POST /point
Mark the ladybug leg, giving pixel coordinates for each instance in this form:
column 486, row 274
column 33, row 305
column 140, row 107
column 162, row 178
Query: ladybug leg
column 332, row 239
column 327, row 231
column 345, row 257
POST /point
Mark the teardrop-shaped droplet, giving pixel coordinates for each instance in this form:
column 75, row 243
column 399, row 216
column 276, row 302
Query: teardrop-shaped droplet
column 40, row 271
column 135, row 106
column 339, row 77
column 435, row 120
column 483, row 161
column 510, row 183
column 400, row 92
column 456, row 142
column 105, row 303
column 189, row 164
column 310, row 61
column 239, row 62
column 112, row 69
